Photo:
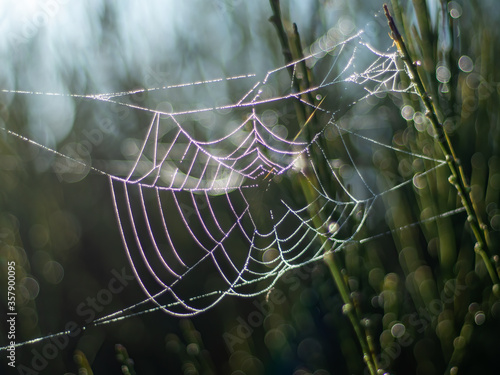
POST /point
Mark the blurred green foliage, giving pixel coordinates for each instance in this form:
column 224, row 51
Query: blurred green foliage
column 422, row 295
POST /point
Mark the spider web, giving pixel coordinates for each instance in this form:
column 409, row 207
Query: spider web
column 197, row 209
column 247, row 248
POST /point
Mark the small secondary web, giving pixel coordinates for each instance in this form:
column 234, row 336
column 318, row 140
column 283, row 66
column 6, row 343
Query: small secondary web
column 209, row 214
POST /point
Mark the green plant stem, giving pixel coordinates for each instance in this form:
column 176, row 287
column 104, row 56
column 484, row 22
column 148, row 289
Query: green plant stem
column 457, row 178
column 460, row 343
column 349, row 305
column 349, row 310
